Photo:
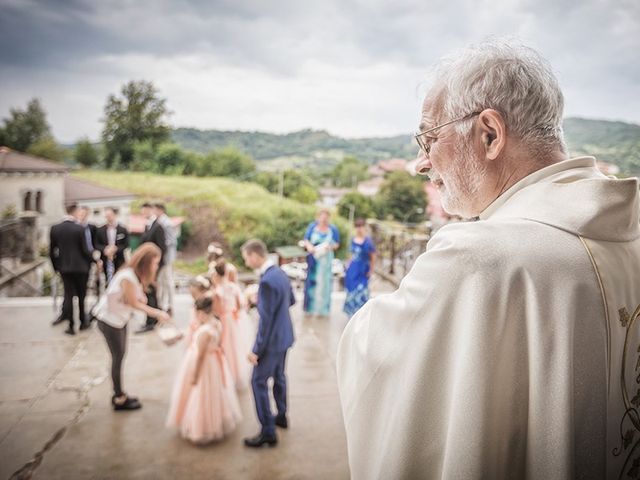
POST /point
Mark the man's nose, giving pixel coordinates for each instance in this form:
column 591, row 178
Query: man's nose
column 424, row 164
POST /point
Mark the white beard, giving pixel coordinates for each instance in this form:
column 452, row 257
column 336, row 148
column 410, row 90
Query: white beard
column 464, row 184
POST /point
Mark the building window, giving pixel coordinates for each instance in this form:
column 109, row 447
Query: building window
column 26, row 201
column 39, row 204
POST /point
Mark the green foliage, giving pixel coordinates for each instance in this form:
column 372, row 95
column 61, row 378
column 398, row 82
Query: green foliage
column 229, row 162
column 25, row 127
column 349, row 172
column 85, row 153
column 243, row 210
column 138, row 115
column 296, row 185
column 305, row 194
column 363, row 205
column 614, row 142
column 10, row 211
column 310, row 145
column 47, row 147
column 402, row 197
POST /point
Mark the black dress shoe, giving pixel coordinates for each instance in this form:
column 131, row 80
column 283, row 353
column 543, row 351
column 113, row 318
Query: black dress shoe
column 145, row 329
column 281, row 421
column 58, row 321
column 128, row 404
column 70, row 331
column 85, row 325
column 260, row 440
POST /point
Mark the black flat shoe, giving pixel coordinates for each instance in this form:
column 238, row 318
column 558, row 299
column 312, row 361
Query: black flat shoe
column 260, row 440
column 128, row 404
column 70, row 331
column 58, row 321
column 85, row 325
column 281, row 421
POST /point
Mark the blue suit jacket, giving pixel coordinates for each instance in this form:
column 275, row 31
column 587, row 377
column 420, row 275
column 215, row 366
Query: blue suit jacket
column 275, row 296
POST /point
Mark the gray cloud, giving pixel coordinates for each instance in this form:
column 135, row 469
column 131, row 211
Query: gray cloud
column 72, row 53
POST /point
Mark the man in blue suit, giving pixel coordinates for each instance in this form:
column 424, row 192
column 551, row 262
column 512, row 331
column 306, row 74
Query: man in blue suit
column 274, row 338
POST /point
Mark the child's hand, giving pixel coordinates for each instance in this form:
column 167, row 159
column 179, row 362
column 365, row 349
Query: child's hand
column 253, row 359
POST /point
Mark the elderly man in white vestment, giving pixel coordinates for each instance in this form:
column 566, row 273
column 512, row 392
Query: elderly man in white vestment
column 511, row 349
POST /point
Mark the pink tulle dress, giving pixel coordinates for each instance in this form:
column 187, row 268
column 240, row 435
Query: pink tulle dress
column 229, row 340
column 208, row 410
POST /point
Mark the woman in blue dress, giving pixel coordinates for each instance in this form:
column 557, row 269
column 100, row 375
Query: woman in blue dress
column 356, row 280
column 320, row 241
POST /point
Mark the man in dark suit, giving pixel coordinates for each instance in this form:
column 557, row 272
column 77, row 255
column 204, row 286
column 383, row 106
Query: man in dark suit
column 274, row 338
column 70, row 256
column 112, row 239
column 153, row 233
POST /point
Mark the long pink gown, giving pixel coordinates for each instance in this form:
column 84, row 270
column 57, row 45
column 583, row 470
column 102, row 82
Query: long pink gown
column 229, row 340
column 208, row 410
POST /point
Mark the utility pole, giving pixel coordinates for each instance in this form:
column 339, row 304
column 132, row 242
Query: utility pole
column 281, row 186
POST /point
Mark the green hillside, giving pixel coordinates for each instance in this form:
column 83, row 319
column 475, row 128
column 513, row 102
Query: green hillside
column 217, row 208
column 614, row 142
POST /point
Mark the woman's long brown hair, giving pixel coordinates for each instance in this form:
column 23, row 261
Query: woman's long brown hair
column 141, row 262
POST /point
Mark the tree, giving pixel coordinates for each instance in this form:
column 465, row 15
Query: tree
column 362, row 205
column 227, row 162
column 138, row 115
column 25, row 127
column 402, row 197
column 47, row 147
column 85, row 153
column 349, row 172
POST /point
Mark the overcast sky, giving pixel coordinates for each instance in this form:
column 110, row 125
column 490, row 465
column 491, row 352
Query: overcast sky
column 353, row 68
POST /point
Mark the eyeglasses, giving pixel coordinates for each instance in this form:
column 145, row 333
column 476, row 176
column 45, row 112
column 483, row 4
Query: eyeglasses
column 425, row 144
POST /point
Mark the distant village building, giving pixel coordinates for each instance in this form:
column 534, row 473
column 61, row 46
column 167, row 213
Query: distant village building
column 377, row 172
column 97, row 198
column 331, row 196
column 32, row 184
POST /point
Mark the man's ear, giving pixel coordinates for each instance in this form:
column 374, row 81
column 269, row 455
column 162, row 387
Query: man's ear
column 492, row 132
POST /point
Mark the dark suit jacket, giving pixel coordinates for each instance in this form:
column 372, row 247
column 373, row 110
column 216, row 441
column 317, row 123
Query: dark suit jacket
column 68, row 248
column 275, row 296
column 122, row 243
column 155, row 234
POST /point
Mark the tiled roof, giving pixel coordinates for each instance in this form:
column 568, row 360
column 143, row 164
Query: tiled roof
column 12, row 161
column 77, row 191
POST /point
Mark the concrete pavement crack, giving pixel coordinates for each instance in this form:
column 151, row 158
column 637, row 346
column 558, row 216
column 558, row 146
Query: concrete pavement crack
column 82, row 391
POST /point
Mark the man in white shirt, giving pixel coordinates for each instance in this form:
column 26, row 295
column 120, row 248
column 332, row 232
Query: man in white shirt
column 166, row 284
column 510, row 350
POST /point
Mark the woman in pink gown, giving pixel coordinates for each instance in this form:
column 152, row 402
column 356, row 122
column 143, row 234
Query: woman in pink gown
column 204, row 405
column 226, row 305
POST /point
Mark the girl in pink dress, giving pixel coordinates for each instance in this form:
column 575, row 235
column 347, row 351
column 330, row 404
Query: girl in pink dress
column 204, row 405
column 198, row 287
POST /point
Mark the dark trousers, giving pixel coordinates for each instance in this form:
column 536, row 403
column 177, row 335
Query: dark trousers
column 270, row 365
column 117, row 342
column 75, row 285
column 152, row 301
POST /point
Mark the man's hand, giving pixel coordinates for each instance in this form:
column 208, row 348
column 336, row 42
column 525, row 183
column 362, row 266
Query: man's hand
column 253, row 359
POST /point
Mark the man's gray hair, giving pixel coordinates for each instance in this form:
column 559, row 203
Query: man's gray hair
column 510, row 78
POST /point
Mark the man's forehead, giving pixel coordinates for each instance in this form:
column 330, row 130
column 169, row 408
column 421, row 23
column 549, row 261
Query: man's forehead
column 431, row 108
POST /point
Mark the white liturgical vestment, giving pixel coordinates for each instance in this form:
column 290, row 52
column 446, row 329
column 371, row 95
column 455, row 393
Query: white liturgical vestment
column 511, row 350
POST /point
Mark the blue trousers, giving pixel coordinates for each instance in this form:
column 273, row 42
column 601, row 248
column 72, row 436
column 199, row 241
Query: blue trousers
column 270, row 365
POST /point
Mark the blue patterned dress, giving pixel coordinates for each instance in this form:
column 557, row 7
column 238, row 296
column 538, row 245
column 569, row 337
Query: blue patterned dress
column 356, row 280
column 317, row 286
